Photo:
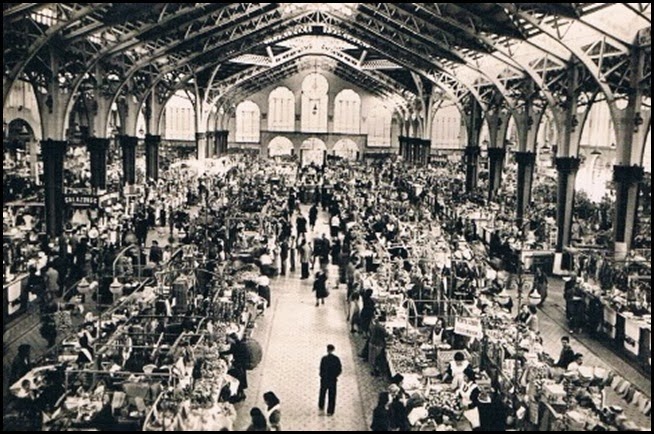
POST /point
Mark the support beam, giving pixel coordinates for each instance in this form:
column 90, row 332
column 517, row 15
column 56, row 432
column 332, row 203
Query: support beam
column 631, row 126
column 128, row 110
column 152, row 144
column 473, row 119
column 526, row 164
column 567, row 168
column 221, row 142
column 98, row 155
column 155, row 106
column 627, row 181
column 495, row 167
column 472, row 167
column 201, row 146
column 52, row 104
column 53, row 152
column 211, row 144
column 128, row 145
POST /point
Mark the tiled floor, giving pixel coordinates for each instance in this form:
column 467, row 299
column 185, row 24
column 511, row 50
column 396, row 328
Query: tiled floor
column 294, row 334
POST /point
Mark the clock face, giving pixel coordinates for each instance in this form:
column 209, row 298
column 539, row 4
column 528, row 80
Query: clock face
column 315, row 85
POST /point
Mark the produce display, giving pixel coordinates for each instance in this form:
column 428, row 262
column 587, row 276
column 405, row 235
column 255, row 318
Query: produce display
column 403, row 357
column 446, row 401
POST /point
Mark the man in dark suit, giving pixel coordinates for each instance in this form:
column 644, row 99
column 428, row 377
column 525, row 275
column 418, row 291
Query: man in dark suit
column 330, row 369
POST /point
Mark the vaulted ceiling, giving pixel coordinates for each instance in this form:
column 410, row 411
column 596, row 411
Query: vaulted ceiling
column 398, row 51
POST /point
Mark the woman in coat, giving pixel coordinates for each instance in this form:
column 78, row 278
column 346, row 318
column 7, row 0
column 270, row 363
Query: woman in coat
column 320, row 287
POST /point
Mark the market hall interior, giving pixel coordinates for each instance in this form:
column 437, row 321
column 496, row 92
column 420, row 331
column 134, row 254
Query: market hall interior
column 215, row 216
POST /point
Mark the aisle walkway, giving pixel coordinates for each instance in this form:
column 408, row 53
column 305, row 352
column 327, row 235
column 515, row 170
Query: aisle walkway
column 294, row 334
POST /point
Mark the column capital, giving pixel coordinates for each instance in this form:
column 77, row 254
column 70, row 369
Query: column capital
column 567, row 164
column 472, row 151
column 200, row 136
column 51, row 147
column 496, row 153
column 628, row 174
column 525, row 158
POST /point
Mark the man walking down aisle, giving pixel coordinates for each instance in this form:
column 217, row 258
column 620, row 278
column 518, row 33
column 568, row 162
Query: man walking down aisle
column 330, row 369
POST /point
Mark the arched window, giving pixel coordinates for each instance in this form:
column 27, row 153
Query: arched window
column 180, row 119
column 379, row 126
column 347, row 112
column 447, row 129
column 281, row 110
column 314, row 103
column 247, row 122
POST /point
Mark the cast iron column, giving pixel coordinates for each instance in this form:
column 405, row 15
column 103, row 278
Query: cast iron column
column 472, row 167
column 222, row 141
column 627, row 181
column 53, row 152
column 526, row 163
column 211, row 144
column 201, row 145
column 152, row 143
column 98, row 153
column 495, row 165
column 128, row 145
column 567, row 168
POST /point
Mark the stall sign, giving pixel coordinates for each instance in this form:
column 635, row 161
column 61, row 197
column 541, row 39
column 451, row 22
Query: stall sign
column 468, row 327
column 81, row 200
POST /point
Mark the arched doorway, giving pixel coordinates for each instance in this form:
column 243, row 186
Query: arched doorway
column 19, row 160
column 18, row 135
column 313, row 151
column 346, row 149
column 280, row 146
